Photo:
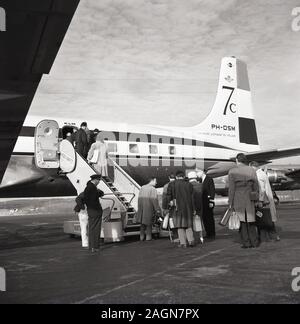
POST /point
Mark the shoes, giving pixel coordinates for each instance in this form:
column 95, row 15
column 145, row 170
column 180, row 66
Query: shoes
column 184, row 246
column 94, row 250
column 210, row 238
column 192, row 244
column 245, row 247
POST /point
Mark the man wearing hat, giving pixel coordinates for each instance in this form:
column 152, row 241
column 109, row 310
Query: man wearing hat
column 94, row 210
column 81, row 140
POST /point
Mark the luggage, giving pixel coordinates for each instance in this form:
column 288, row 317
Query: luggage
column 197, row 224
column 234, row 222
column 225, row 219
column 265, row 221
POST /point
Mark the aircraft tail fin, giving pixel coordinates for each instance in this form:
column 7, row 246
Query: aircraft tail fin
column 231, row 122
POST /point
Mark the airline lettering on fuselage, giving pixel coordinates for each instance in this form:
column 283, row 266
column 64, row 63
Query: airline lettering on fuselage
column 223, row 127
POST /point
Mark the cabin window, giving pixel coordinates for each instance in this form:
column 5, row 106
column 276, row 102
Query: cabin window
column 133, row 148
column 172, row 150
column 112, row 147
column 153, row 149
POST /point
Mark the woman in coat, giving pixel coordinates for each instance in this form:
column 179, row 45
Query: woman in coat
column 243, row 194
column 266, row 199
column 98, row 155
column 148, row 208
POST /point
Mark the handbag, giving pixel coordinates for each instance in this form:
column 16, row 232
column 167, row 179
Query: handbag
column 234, row 222
column 197, row 224
column 94, row 159
column 225, row 219
column 265, row 221
column 166, row 222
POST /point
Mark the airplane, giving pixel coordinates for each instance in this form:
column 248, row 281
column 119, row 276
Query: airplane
column 146, row 150
column 34, row 33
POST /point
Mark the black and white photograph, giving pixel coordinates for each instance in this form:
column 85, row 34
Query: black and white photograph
column 149, row 154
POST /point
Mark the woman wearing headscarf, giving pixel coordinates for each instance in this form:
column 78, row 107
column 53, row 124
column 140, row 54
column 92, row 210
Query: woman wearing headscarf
column 98, row 155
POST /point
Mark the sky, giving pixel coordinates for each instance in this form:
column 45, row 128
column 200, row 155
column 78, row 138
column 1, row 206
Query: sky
column 158, row 61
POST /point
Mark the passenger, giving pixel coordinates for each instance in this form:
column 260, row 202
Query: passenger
column 165, row 201
column 243, row 194
column 266, row 199
column 98, row 155
column 81, row 141
column 180, row 194
column 197, row 196
column 208, row 196
column 148, row 209
column 94, row 210
column 94, row 134
column 168, row 211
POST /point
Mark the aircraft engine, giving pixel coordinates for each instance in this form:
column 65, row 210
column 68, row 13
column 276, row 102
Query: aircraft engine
column 276, row 176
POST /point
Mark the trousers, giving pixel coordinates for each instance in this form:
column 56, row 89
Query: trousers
column 95, row 219
column 84, row 221
column 185, row 235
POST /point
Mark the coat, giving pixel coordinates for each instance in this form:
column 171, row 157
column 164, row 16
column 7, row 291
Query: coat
column 208, row 193
column 266, row 193
column 165, row 199
column 148, row 205
column 181, row 193
column 242, row 182
column 91, row 198
column 197, row 196
column 101, row 164
column 81, row 142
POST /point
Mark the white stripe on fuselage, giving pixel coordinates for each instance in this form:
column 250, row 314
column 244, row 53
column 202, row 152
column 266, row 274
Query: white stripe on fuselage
column 26, row 145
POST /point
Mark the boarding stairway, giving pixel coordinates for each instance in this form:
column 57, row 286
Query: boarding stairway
column 120, row 188
column 121, row 192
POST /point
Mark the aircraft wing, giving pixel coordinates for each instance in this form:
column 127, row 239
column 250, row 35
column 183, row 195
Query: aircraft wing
column 268, row 156
column 34, row 31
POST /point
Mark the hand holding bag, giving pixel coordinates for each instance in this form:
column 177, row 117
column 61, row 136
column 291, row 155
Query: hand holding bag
column 166, row 221
column 234, row 222
column 197, row 224
column 95, row 156
column 225, row 219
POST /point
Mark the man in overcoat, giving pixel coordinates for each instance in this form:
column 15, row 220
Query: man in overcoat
column 148, row 209
column 243, row 194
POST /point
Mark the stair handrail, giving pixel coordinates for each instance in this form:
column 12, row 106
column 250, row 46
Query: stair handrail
column 116, row 165
column 113, row 205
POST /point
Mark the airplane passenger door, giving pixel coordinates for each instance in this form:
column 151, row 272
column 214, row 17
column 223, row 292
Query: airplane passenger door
column 46, row 144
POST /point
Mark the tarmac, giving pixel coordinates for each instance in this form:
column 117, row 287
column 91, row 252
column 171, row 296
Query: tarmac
column 43, row 265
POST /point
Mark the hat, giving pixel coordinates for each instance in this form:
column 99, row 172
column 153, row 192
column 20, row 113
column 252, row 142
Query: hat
column 96, row 177
column 192, row 175
column 199, row 174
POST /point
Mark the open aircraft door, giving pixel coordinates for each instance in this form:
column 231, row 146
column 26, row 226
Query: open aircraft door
column 46, row 140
